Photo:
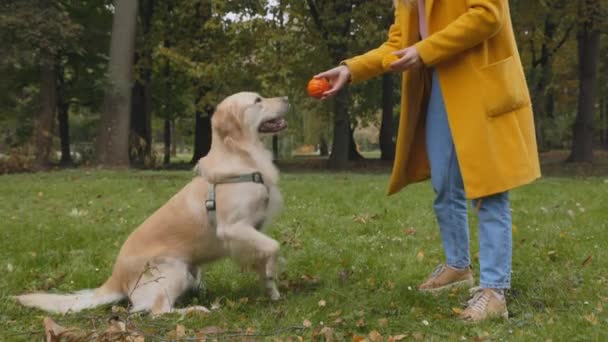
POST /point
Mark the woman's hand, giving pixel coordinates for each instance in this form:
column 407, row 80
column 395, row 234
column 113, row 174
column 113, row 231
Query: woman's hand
column 338, row 77
column 409, row 59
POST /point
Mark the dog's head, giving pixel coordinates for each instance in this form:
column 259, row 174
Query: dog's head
column 246, row 115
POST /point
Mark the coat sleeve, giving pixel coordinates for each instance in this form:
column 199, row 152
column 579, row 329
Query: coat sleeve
column 482, row 20
column 368, row 65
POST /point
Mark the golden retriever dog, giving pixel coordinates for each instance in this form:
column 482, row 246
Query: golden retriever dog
column 220, row 213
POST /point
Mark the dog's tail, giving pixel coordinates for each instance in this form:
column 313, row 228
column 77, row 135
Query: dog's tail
column 74, row 302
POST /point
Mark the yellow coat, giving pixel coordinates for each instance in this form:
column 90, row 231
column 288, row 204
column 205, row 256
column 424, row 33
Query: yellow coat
column 472, row 46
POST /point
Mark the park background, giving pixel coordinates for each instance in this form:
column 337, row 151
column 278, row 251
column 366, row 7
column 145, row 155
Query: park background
column 106, row 105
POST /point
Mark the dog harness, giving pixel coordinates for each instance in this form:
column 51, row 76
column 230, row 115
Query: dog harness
column 210, row 203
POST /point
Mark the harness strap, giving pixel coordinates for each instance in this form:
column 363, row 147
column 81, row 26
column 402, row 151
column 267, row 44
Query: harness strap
column 210, row 202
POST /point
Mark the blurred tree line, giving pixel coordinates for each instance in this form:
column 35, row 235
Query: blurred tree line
column 108, row 81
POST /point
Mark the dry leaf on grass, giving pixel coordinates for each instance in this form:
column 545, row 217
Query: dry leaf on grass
column 116, row 331
column 374, row 336
column 357, row 338
column 360, row 323
column 587, row 260
column 591, row 318
column 328, row 333
column 456, row 310
column 420, row 255
column 418, row 336
column 409, row 231
column 383, row 322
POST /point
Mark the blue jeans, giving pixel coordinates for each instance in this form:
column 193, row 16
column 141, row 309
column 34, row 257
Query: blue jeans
column 495, row 235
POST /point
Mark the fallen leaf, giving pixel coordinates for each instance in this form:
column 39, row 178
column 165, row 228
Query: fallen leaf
column 409, row 231
column 307, row 323
column 587, row 260
column 591, row 318
column 383, row 322
column 420, row 255
column 514, row 229
column 322, row 303
column 418, row 336
column 399, row 338
column 180, row 331
column 456, row 310
column 216, row 304
column 335, row 314
column 360, row 323
column 328, row 333
column 374, row 336
column 357, row 338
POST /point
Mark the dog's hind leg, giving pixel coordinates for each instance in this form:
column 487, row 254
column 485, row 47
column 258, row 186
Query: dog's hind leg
column 248, row 247
column 160, row 286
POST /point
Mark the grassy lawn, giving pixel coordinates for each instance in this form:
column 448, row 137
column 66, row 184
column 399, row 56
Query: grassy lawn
column 352, row 258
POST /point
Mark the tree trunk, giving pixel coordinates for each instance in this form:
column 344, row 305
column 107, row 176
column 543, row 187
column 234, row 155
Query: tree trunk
column 604, row 118
column 387, row 127
column 140, row 142
column 113, row 137
column 342, row 135
column 64, row 134
column 323, row 148
column 588, row 40
column 167, row 140
column 173, row 139
column 275, row 147
column 63, row 108
column 141, row 109
column 544, row 68
column 43, row 124
column 202, row 134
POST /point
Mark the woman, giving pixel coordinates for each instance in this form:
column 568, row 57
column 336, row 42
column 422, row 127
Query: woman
column 466, row 121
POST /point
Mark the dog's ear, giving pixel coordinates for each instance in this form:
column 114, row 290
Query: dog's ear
column 226, row 124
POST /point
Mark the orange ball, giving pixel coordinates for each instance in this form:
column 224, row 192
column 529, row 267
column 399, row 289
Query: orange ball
column 317, row 86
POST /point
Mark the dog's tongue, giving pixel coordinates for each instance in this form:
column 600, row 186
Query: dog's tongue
column 272, row 126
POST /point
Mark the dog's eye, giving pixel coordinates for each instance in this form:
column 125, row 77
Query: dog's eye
column 257, row 100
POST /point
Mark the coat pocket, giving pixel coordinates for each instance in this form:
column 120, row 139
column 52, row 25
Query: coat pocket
column 502, row 87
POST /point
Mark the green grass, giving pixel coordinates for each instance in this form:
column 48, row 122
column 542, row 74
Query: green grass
column 343, row 242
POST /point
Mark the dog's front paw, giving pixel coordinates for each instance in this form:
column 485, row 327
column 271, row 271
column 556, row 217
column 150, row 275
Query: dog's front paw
column 275, row 295
column 273, row 291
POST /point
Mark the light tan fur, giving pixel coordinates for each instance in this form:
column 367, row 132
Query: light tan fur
column 160, row 260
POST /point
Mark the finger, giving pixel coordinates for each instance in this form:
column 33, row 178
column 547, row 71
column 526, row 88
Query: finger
column 414, row 64
column 325, row 74
column 336, row 87
column 399, row 64
column 331, row 73
column 399, row 53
